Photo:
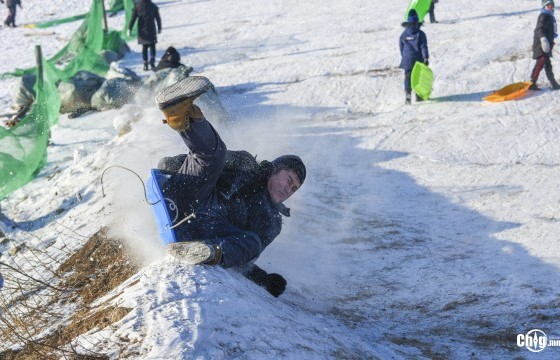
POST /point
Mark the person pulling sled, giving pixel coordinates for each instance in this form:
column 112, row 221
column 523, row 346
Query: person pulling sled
column 543, row 42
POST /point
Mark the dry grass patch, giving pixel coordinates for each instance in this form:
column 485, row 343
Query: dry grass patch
column 98, row 267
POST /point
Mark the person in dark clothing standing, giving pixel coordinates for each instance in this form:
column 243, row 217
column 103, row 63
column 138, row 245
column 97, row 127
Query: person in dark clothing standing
column 543, row 42
column 413, row 45
column 147, row 14
column 432, row 12
column 11, row 5
column 237, row 202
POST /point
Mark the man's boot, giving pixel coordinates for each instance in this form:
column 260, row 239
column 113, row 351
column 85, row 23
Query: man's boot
column 176, row 101
column 145, row 66
column 195, row 252
column 153, row 64
column 407, row 99
column 555, row 85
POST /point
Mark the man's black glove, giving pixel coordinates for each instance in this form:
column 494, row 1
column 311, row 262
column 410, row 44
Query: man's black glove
column 426, row 62
column 275, row 284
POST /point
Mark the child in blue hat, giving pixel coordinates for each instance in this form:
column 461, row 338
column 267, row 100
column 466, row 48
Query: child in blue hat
column 413, row 45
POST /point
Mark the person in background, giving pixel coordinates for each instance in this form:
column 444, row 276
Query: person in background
column 432, row 12
column 543, row 42
column 170, row 60
column 413, row 45
column 147, row 14
column 11, row 5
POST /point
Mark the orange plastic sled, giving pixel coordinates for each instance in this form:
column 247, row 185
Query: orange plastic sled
column 510, row 92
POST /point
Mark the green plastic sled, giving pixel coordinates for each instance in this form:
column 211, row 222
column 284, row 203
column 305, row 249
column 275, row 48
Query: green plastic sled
column 421, row 6
column 422, row 80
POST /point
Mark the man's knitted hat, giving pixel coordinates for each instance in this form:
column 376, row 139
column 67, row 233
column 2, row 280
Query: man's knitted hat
column 290, row 162
column 546, row 2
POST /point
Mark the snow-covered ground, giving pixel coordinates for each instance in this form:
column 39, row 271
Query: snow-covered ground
column 423, row 231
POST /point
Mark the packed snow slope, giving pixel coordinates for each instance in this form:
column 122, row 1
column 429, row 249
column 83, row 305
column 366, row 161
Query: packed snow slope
column 422, row 231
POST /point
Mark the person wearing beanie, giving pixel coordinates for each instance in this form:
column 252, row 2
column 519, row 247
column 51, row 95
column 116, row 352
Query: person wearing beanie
column 543, row 42
column 171, row 59
column 413, row 45
column 237, row 201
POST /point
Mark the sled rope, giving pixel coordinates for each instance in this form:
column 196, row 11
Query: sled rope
column 192, row 215
column 186, row 218
column 138, row 176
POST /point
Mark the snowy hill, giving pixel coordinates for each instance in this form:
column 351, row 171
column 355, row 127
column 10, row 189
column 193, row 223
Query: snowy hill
column 422, row 231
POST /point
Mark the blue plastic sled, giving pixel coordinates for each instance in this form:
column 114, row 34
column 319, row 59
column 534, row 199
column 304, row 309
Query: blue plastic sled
column 164, row 209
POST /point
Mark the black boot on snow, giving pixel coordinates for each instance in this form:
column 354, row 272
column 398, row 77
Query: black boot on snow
column 407, row 99
column 534, row 86
column 145, row 66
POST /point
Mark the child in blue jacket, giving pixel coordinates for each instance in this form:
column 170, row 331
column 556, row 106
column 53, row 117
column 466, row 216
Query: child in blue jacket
column 414, row 47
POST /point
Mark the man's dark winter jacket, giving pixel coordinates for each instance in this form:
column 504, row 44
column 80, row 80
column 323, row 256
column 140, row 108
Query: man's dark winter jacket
column 240, row 209
column 545, row 28
column 147, row 14
column 413, row 45
column 243, row 191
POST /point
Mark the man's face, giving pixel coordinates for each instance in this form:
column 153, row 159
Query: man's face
column 282, row 185
column 549, row 6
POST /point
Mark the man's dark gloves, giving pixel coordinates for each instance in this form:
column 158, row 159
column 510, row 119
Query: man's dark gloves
column 275, row 284
column 426, row 62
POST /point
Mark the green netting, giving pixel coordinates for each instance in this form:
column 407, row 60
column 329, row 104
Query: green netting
column 421, row 6
column 114, row 7
column 24, row 147
column 82, row 51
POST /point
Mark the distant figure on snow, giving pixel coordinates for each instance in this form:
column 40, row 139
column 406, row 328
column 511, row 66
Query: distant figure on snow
column 11, row 5
column 237, row 201
column 170, row 60
column 413, row 44
column 543, row 42
column 147, row 14
column 432, row 12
